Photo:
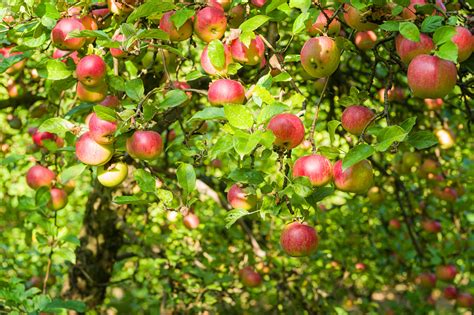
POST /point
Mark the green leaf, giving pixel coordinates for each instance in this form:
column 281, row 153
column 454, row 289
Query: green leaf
column 410, row 31
column 209, row 113
column 443, row 35
column 101, row 35
column 422, row 139
column 303, row 5
column 271, row 110
column 246, row 176
column 77, row 306
column 282, row 77
column 300, row 23
column 174, row 98
column 54, row 70
column 153, row 34
column 215, row 51
column 253, row 23
column 194, row 75
column 388, row 136
column 6, row 63
column 72, row 172
column 105, row 113
column 42, row 196
column 273, row 5
column 448, row 51
column 134, row 89
column 233, row 215
column 66, row 254
column 181, row 16
column 186, row 178
column 390, row 26
column 408, row 124
column 145, row 180
column 357, row 154
column 130, row 200
column 238, row 116
column 150, row 8
column 431, row 23
column 320, row 194
column 56, row 125
column 117, row 83
column 165, row 196
column 245, row 143
column 332, row 126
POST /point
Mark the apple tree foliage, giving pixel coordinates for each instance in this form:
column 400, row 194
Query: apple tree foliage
column 167, row 238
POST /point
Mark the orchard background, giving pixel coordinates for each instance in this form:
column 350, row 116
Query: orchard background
column 293, row 157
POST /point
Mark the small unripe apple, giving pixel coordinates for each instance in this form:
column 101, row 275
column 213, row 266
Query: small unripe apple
column 92, row 153
column 240, row 198
column 210, row 23
column 365, row 40
column 450, row 292
column 102, row 131
column 39, row 176
column 410, row 160
column 316, row 167
column 317, row 28
column 112, row 175
column 355, row 118
column 60, row 32
column 248, row 55
column 407, row 49
column 375, row 195
column 431, row 226
column 299, row 239
column 431, row 76
column 91, row 70
column 225, row 91
column 58, row 199
column 356, row 179
column 249, row 277
column 446, row 273
column 320, row 56
column 426, row 280
column 58, row 54
column 445, row 138
column 394, row 224
column 191, row 221
column 360, row 266
column 465, row 300
column 465, row 42
column 354, row 19
column 92, row 94
column 236, row 16
column 145, row 145
column 176, row 35
column 210, row 68
column 287, row 129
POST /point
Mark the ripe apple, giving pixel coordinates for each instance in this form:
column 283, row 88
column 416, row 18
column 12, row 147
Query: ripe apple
column 426, row 280
column 17, row 67
column 91, row 70
column 145, row 145
column 191, row 221
column 39, row 176
column 317, row 28
column 446, row 138
column 171, row 135
column 287, row 129
column 448, row 194
column 465, row 300
column 434, row 104
column 240, row 198
column 360, row 266
column 446, row 272
column 39, row 136
column 120, row 7
column 118, row 52
column 251, row 55
column 450, row 292
column 316, row 167
column 102, row 131
column 210, row 68
column 100, row 16
column 58, row 199
column 225, row 91
column 182, row 85
column 92, row 153
column 375, row 195
column 355, row 118
column 394, row 94
column 89, row 24
column 431, row 226
column 60, row 32
column 110, row 101
column 59, row 54
column 92, row 94
column 223, row 4
column 210, row 23
column 409, row 13
column 465, row 42
column 236, row 16
column 365, row 40
column 320, row 56
column 354, row 19
column 299, row 239
column 394, row 224
column 249, row 277
column 112, row 175
column 175, row 35
column 431, row 76
column 407, row 49
column 356, row 179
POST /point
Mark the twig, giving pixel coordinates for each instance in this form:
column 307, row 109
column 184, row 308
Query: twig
column 313, row 124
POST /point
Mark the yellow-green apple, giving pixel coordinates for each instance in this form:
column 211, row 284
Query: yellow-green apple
column 375, row 195
column 102, row 131
column 60, row 32
column 39, row 176
column 445, row 137
column 145, row 145
column 225, row 91
column 210, row 23
column 176, row 34
column 112, row 175
column 58, row 199
column 287, row 129
column 407, row 49
column 356, row 179
column 318, row 27
column 365, row 40
column 93, row 94
column 356, row 19
column 191, row 221
column 212, row 69
column 426, row 280
column 249, row 277
column 91, row 70
column 446, row 272
column 248, row 55
column 92, row 153
column 299, row 239
column 465, row 42
column 240, row 198
column 320, row 56
column 356, row 118
column 316, row 167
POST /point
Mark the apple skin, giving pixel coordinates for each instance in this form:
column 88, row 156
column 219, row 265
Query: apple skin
column 209, row 68
column 446, row 138
column 431, row 226
column 446, row 273
column 355, row 118
column 239, row 198
column 112, row 175
column 426, row 280
column 450, row 292
column 465, row 42
column 225, row 91
column 58, row 54
column 353, row 18
column 299, row 239
column 58, row 199
column 317, row 28
column 429, row 168
column 176, row 35
column 360, row 266
column 210, row 23
column 465, row 300
column 191, row 221
column 356, row 179
column 258, row 3
column 409, row 13
column 365, row 40
column 251, row 55
column 91, row 153
column 320, row 56
column 316, row 167
column 102, row 131
column 431, row 76
column 409, row 160
column 287, row 129
column 249, row 277
column 61, row 30
column 394, row 224
column 118, row 52
column 396, row 94
column 99, row 15
column 39, row 176
column 17, row 67
column 434, row 104
column 39, row 136
column 448, row 194
column 89, row 24
column 145, row 145
column 120, row 7
column 375, row 195
column 407, row 49
column 92, row 94
column 236, row 16
column 91, row 70
column 110, row 101
column 222, row 4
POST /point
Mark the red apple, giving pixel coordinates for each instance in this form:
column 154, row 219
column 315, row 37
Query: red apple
column 249, row 277
column 39, row 176
column 102, row 131
column 465, row 300
column 60, row 32
column 191, row 221
column 111, row 101
column 431, row 76
column 89, row 24
column 120, row 7
column 450, row 292
column 100, row 16
column 448, row 194
column 225, row 91
column 251, row 55
column 431, row 226
column 288, row 130
column 446, row 273
column 91, row 70
column 320, row 56
column 93, row 94
column 236, row 16
column 299, row 239
column 91, row 153
column 118, row 52
column 355, row 118
column 59, row 54
column 407, row 49
column 58, row 199
column 17, row 67
column 112, row 175
column 426, row 280
column 316, row 167
column 434, row 104
column 240, row 198
column 365, row 40
column 394, row 94
column 176, row 35
column 145, row 145
column 317, row 28
column 354, row 19
column 39, row 136
column 210, row 68
column 394, row 224
column 409, row 13
column 222, row 4
column 258, row 3
column 171, row 135
column 210, row 23
column 356, row 179
column 465, row 42
column 360, row 266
